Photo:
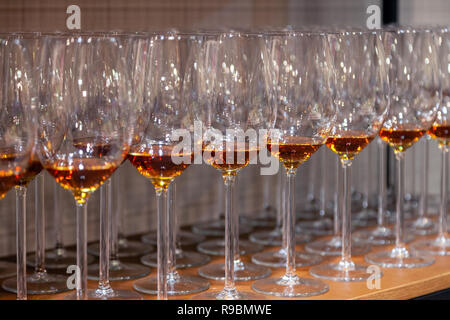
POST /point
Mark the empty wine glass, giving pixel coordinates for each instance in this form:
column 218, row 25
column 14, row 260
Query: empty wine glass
column 415, row 95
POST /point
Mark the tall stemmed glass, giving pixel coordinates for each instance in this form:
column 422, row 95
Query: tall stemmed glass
column 40, row 282
column 17, row 137
column 229, row 142
column 305, row 113
column 252, row 46
column 157, row 154
column 84, row 126
column 415, row 95
column 362, row 105
column 441, row 132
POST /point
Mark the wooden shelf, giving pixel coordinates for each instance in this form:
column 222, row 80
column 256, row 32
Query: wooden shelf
column 395, row 283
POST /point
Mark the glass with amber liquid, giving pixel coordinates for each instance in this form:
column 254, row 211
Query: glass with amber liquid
column 347, row 145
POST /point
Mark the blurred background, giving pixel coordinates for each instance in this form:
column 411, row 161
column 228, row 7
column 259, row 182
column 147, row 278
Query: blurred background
column 199, row 188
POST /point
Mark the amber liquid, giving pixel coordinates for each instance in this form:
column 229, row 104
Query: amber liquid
column 228, row 161
column 440, row 132
column 81, row 176
column 348, row 145
column 27, row 174
column 401, row 139
column 32, row 171
column 156, row 164
column 95, row 147
column 293, row 151
column 7, row 181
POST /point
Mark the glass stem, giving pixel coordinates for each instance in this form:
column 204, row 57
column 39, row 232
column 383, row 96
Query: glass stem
column 172, row 272
column 279, row 224
column 366, row 192
column 105, row 215
column 381, row 182
column 230, row 237
column 266, row 193
column 57, row 219
column 81, row 282
column 284, row 200
column 336, row 213
column 290, row 223
column 399, row 227
column 162, row 243
column 237, row 256
column 114, row 234
column 40, row 225
column 424, row 186
column 21, row 241
column 323, row 178
column 442, row 231
column 346, row 262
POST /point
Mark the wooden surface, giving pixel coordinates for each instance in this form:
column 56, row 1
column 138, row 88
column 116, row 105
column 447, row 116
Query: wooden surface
column 395, row 283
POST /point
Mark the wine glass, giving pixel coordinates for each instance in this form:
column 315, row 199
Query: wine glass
column 362, row 105
column 235, row 64
column 84, row 125
column 40, row 282
column 252, row 46
column 305, row 113
column 17, row 136
column 156, row 153
column 415, row 95
column 440, row 131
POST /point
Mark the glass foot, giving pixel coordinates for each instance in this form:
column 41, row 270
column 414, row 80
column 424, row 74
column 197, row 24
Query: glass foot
column 39, row 283
column 277, row 259
column 176, row 285
column 367, row 217
column 437, row 247
column 127, row 249
column 119, row 271
column 113, row 294
column 228, row 295
column 58, row 259
column 184, row 238
column 333, row 247
column 275, row 238
column 184, row 259
column 265, row 219
column 217, row 247
column 342, row 272
column 422, row 226
column 399, row 258
column 379, row 236
column 243, row 271
column 321, row 227
column 7, row 269
column 217, row 228
column 292, row 286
